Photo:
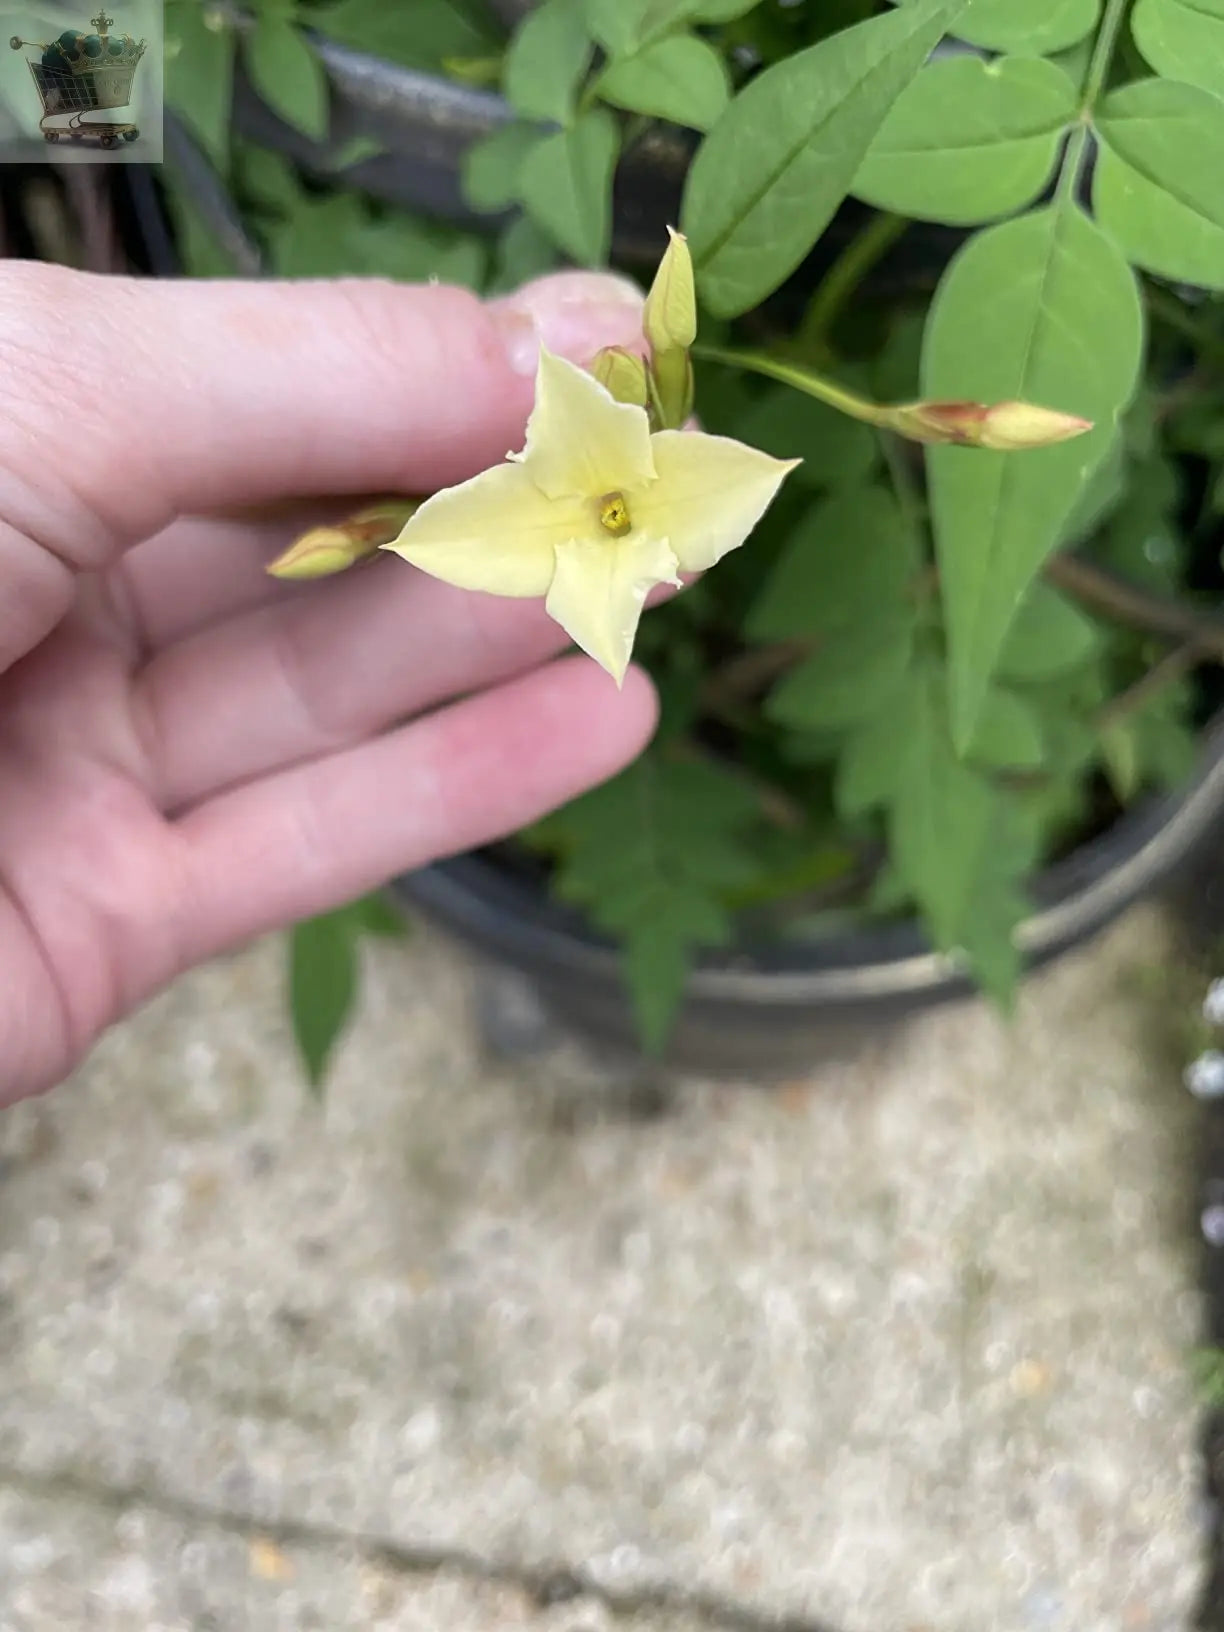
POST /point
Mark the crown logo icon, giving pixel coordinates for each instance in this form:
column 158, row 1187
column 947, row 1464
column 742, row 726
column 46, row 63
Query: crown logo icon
column 80, row 72
column 79, row 53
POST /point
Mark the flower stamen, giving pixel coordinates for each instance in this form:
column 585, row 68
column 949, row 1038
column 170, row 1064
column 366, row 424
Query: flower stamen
column 614, row 514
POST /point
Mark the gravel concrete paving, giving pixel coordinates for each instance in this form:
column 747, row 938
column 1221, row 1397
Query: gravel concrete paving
column 899, row 1348
column 71, row 1560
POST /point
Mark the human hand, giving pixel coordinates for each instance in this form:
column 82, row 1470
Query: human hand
column 190, row 752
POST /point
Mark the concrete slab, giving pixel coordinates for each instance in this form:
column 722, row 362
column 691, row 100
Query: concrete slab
column 897, row 1349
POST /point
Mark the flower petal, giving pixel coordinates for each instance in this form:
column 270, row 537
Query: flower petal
column 710, row 493
column 497, row 533
column 598, row 590
column 580, row 442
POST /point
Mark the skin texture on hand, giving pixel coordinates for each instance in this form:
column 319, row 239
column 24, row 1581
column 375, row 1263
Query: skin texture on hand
column 192, row 753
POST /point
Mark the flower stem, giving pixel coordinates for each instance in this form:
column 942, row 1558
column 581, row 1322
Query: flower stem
column 801, row 379
column 841, row 282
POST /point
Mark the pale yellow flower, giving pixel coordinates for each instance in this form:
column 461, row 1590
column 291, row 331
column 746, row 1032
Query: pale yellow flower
column 593, row 513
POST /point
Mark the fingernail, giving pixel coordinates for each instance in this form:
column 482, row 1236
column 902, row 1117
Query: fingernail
column 574, row 314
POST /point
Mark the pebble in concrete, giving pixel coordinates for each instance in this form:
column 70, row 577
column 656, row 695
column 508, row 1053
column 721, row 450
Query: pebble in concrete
column 899, row 1347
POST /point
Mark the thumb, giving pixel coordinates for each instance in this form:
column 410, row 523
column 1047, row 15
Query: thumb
column 168, row 398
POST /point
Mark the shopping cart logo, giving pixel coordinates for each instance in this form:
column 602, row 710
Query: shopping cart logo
column 80, row 74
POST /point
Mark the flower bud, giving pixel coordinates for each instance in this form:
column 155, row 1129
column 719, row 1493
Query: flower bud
column 324, row 551
column 671, row 305
column 1007, row 427
column 622, row 375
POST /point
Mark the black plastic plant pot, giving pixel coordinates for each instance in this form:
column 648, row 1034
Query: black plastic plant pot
column 760, row 1010
column 424, row 126
column 768, row 1010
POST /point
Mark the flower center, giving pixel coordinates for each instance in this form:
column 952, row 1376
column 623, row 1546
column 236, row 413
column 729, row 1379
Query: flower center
column 614, row 514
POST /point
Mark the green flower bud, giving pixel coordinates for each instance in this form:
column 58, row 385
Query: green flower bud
column 622, row 375
column 324, row 551
column 1007, row 427
column 671, row 305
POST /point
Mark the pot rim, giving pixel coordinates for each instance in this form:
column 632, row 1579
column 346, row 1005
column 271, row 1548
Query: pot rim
column 1075, row 897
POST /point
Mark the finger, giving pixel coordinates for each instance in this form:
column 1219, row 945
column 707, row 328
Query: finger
column 338, row 663
column 196, row 394
column 287, row 683
column 202, row 569
column 310, row 838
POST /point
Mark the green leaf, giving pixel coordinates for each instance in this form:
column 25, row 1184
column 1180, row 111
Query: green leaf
column 624, row 26
column 1157, row 184
column 836, row 451
column 681, row 78
column 897, row 366
column 320, row 239
column 953, row 844
column 567, row 186
column 1100, row 496
column 718, row 11
column 548, row 57
column 1048, row 637
column 493, row 166
column 374, row 915
column 1034, row 27
column 1142, row 541
column 335, row 235
column 200, row 77
column 1153, row 746
column 1183, row 40
column 1008, row 733
column 202, row 254
column 770, row 175
column 322, row 986
column 1041, row 310
column 844, row 582
column 421, row 35
column 522, row 252
column 413, row 250
column 287, row 75
column 969, row 140
column 649, row 855
column 265, row 180
column 849, row 563
column 867, row 768
column 1120, row 752
column 355, row 151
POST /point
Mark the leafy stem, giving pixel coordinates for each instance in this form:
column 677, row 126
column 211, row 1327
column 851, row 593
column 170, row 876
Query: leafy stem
column 1094, row 84
column 1103, row 54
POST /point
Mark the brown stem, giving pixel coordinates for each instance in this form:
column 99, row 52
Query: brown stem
column 1108, row 592
column 744, row 676
column 1172, row 666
